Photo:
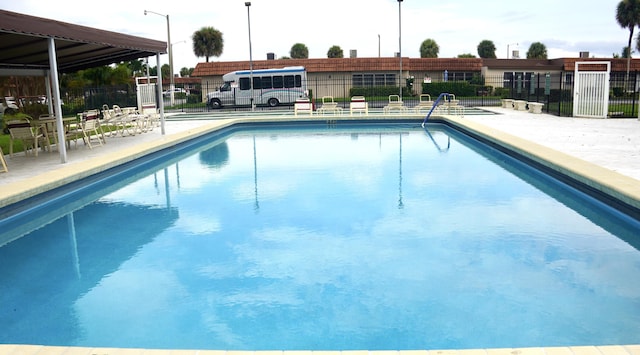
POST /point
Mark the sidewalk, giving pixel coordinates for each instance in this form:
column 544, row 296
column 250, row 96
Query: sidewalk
column 611, row 143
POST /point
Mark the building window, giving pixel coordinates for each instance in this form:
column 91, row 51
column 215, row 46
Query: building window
column 568, row 78
column 371, row 79
column 507, row 80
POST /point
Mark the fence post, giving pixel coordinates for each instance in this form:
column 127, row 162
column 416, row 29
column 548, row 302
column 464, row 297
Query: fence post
column 635, row 92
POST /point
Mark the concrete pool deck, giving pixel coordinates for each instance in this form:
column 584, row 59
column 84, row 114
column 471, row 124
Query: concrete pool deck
column 608, row 151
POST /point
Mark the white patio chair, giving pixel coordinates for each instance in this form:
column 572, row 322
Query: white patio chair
column 3, row 161
column 21, row 130
column 91, row 129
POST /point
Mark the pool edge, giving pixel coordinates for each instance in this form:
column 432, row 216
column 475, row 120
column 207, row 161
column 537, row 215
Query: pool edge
column 632, row 349
column 623, row 192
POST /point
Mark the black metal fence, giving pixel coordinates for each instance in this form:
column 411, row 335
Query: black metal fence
column 554, row 90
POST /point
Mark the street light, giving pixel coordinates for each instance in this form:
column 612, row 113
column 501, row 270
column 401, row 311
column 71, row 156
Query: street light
column 511, row 44
column 248, row 5
column 171, row 83
column 400, row 44
column 174, row 43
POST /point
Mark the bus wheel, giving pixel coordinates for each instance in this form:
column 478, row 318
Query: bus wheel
column 215, row 103
column 273, row 102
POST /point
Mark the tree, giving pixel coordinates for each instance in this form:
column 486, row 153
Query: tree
column 537, row 50
column 335, row 52
column 628, row 16
column 186, row 72
column 165, row 70
column 136, row 67
column 486, row 49
column 97, row 76
column 466, row 55
column 299, row 51
column 120, row 75
column 429, row 49
column 207, row 42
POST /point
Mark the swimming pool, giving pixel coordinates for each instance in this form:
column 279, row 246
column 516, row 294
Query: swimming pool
column 340, row 237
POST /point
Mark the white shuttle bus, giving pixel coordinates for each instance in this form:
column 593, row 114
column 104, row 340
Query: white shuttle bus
column 271, row 87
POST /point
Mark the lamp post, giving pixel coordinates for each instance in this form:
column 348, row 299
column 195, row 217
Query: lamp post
column 508, row 45
column 378, row 45
column 171, row 82
column 400, row 44
column 248, row 5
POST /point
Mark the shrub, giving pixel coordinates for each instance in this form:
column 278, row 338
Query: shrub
column 378, row 91
column 458, row 88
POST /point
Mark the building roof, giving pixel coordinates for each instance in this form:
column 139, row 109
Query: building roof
column 335, row 65
column 24, row 44
column 328, row 65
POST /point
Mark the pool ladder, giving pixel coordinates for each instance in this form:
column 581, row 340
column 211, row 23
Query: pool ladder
column 445, row 95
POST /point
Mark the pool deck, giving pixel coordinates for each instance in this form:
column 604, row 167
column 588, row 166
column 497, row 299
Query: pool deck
column 604, row 153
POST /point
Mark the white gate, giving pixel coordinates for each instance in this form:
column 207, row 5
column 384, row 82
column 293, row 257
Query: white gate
column 591, row 89
column 146, row 91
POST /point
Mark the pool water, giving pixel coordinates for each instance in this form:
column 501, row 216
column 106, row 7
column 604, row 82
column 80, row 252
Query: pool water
column 331, row 238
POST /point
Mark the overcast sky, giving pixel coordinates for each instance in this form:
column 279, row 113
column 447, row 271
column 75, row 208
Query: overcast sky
column 565, row 27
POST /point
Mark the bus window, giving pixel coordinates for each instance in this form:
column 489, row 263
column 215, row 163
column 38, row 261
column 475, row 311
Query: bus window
column 298, row 81
column 226, row 86
column 277, row 82
column 288, row 81
column 256, row 82
column 245, row 84
column 266, row 82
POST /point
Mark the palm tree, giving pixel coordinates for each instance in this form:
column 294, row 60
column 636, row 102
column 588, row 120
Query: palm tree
column 486, row 49
column 335, row 52
column 299, row 51
column 628, row 16
column 207, row 42
column 429, row 49
column 537, row 50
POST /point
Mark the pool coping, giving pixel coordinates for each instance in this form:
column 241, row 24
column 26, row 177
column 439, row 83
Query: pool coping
column 621, row 191
column 605, row 181
column 10, row 349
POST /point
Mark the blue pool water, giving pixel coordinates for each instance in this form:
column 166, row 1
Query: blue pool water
column 376, row 237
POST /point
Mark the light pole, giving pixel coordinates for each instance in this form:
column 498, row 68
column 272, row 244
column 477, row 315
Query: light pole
column 508, row 45
column 378, row 46
column 171, row 83
column 400, row 44
column 248, row 5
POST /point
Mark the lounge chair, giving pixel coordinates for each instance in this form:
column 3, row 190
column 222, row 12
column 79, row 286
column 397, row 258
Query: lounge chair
column 358, row 104
column 395, row 103
column 329, row 105
column 91, row 129
column 3, row 161
column 124, row 121
column 151, row 117
column 303, row 105
column 21, row 130
column 451, row 106
column 424, row 105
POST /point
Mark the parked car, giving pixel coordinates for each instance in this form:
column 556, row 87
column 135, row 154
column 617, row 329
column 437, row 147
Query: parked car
column 8, row 105
column 175, row 91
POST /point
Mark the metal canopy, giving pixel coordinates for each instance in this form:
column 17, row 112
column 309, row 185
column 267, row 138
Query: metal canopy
column 38, row 46
column 24, row 45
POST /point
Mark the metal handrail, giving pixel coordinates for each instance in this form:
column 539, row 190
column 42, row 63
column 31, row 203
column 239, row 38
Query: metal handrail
column 435, row 104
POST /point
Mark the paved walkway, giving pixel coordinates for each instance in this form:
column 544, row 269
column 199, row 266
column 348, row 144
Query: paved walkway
column 611, row 143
